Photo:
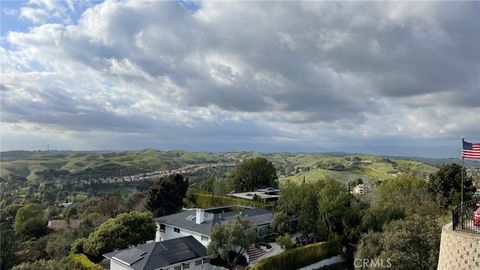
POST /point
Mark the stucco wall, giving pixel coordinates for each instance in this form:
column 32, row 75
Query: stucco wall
column 117, row 266
column 459, row 250
column 114, row 265
column 171, row 234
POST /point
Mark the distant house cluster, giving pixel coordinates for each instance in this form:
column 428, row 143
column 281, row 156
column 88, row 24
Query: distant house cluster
column 156, row 175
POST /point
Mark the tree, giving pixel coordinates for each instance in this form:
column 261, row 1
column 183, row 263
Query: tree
column 136, row 201
column 396, row 191
column 285, row 242
column 166, row 197
column 8, row 248
column 309, row 216
column 235, row 235
column 397, row 198
column 120, row 232
column 289, row 201
column 411, row 243
column 334, row 199
column 33, row 250
column 280, row 223
column 446, row 182
column 254, row 173
column 70, row 212
column 29, row 221
column 59, row 243
column 208, row 185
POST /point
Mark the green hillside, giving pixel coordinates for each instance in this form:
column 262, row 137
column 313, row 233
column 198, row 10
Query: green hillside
column 98, row 164
column 312, row 167
column 35, row 165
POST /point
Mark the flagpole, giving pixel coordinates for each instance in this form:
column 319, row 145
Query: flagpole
column 461, row 182
column 461, row 174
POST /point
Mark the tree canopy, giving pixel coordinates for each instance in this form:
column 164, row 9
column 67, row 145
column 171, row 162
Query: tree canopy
column 254, row 173
column 29, row 221
column 446, row 182
column 120, row 232
column 410, row 243
column 319, row 206
column 236, row 235
column 166, row 197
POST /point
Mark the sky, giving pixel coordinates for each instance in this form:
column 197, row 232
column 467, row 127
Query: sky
column 392, row 78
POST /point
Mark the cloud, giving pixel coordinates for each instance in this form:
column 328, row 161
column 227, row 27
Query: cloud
column 303, row 72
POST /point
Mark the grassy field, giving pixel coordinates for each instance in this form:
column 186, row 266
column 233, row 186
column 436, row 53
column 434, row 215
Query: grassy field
column 369, row 168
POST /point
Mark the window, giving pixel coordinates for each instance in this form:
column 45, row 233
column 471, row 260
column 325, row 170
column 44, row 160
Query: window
column 177, row 268
column 198, row 262
column 186, row 265
column 205, row 260
column 177, row 230
column 204, row 238
column 162, row 227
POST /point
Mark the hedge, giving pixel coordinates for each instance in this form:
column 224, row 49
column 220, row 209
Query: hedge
column 204, row 200
column 83, row 260
column 300, row 257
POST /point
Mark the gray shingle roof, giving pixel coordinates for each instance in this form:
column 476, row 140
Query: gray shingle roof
column 159, row 254
column 180, row 220
column 259, row 216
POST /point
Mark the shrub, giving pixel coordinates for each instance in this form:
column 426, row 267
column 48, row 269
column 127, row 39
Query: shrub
column 84, row 263
column 40, row 264
column 285, row 241
column 300, row 257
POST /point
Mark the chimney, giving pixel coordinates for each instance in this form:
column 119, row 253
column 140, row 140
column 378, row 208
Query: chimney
column 200, row 216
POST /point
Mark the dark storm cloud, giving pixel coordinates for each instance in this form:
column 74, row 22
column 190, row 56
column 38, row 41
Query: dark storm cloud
column 147, row 67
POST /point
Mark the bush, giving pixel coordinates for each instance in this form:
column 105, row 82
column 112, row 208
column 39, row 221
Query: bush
column 84, row 262
column 285, row 241
column 300, row 257
column 40, row 264
column 203, row 200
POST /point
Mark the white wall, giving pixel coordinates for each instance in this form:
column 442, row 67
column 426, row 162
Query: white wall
column 206, row 266
column 171, row 234
column 114, row 265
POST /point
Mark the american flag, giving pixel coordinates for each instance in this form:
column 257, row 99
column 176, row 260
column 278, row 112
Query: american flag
column 470, row 150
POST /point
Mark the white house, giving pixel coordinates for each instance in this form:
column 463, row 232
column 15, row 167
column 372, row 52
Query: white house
column 199, row 223
column 174, row 254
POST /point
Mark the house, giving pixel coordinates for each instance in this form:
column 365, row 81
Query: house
column 267, row 194
column 174, row 254
column 199, row 222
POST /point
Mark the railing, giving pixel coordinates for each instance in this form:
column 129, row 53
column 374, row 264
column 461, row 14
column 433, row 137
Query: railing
column 463, row 217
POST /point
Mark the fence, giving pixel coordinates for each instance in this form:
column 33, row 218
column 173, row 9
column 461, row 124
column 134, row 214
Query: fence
column 464, row 219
